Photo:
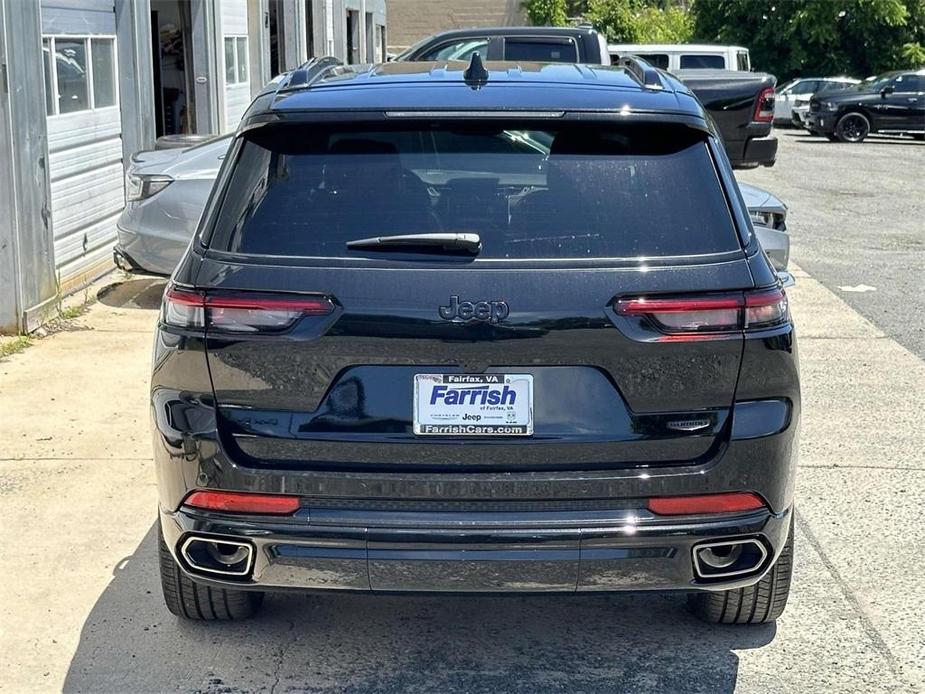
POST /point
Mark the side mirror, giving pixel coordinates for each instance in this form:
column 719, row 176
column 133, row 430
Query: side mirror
column 886, row 91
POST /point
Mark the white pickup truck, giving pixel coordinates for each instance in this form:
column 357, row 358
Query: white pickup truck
column 686, row 56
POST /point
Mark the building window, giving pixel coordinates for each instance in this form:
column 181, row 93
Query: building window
column 80, row 73
column 380, row 43
column 49, row 80
column 353, row 37
column 102, row 52
column 236, row 71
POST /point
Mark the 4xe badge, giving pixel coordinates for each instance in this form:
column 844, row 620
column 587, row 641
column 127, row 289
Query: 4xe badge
column 464, row 311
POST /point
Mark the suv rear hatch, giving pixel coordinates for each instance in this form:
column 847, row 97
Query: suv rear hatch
column 535, row 253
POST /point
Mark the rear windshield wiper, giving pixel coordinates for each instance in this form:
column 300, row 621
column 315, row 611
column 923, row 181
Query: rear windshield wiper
column 449, row 241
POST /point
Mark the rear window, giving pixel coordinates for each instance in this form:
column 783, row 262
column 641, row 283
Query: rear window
column 703, row 62
column 541, row 50
column 659, row 60
column 566, row 192
column 742, row 62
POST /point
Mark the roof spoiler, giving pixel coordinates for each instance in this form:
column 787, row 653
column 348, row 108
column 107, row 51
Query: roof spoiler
column 642, row 71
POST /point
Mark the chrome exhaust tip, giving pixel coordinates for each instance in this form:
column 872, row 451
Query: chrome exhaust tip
column 728, row 558
column 213, row 556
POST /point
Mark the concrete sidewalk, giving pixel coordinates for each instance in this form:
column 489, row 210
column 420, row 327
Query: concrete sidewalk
column 82, row 608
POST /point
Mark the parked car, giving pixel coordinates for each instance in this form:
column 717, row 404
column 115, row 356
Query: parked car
column 407, row 351
column 792, row 99
column 891, row 103
column 166, row 192
column 686, row 56
column 527, row 44
column 741, row 103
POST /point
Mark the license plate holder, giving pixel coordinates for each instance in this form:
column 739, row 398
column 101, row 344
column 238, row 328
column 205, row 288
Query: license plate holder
column 473, row 405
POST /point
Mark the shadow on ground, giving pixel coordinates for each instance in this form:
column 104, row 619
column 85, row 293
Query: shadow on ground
column 807, row 139
column 359, row 642
column 143, row 292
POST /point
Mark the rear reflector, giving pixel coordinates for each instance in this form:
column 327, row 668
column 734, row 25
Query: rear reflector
column 243, row 502
column 239, row 312
column 708, row 503
column 702, row 317
column 764, row 107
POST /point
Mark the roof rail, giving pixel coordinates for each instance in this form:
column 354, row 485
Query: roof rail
column 308, row 73
column 642, row 71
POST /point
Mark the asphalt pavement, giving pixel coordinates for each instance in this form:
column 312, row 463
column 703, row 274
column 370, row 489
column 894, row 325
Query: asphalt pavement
column 857, row 217
column 82, row 609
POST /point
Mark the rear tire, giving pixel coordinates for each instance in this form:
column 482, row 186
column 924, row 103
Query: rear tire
column 763, row 602
column 193, row 601
column 852, row 127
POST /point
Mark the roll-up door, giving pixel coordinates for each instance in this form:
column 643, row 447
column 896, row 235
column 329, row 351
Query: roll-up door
column 84, row 134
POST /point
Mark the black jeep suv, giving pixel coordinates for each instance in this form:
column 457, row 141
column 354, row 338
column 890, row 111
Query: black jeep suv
column 468, row 328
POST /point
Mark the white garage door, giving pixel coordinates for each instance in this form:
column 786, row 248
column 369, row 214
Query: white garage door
column 84, row 134
column 236, row 61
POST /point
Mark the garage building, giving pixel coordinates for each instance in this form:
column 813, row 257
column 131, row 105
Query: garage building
column 86, row 83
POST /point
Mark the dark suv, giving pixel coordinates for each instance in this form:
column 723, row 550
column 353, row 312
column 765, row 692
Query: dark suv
column 449, row 328
column 890, row 103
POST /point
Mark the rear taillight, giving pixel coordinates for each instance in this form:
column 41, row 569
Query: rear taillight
column 766, row 309
column 239, row 312
column 703, row 317
column 764, row 107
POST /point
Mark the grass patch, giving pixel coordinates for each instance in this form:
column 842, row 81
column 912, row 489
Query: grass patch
column 14, row 345
column 72, row 311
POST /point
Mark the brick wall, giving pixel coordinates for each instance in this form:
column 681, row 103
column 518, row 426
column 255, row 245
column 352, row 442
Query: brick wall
column 412, row 20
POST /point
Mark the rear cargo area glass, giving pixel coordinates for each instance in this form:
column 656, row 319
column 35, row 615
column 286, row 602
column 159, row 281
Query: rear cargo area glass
column 571, row 191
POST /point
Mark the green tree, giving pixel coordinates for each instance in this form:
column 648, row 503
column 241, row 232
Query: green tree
column 640, row 21
column 794, row 37
column 546, row 12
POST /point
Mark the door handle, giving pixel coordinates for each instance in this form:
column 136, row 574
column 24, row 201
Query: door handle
column 912, row 99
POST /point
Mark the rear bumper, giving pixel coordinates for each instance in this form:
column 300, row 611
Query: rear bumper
column 757, row 147
column 148, row 251
column 760, row 151
column 334, row 549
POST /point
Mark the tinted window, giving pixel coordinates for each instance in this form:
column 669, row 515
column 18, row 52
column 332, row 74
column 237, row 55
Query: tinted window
column 659, row 60
column 458, row 50
column 834, row 86
column 539, row 51
column 557, row 193
column 703, row 62
column 907, row 83
column 805, row 87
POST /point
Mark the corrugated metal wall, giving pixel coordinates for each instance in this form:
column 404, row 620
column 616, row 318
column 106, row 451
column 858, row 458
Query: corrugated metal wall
column 85, row 157
column 87, row 189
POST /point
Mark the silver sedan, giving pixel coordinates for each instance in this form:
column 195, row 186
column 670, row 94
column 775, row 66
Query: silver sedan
column 166, row 191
